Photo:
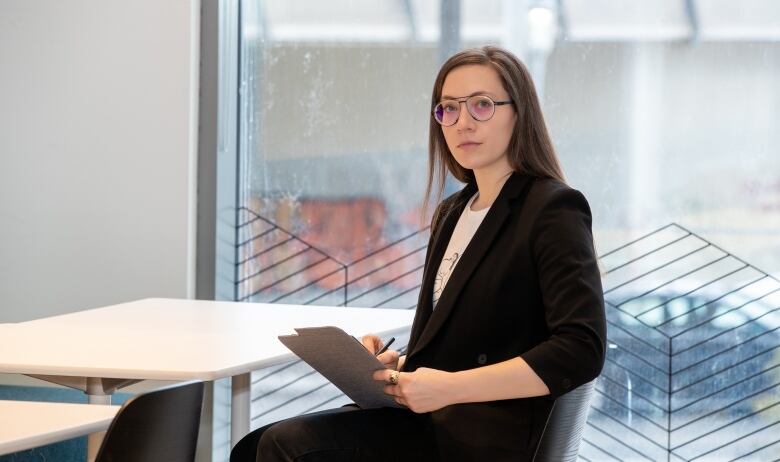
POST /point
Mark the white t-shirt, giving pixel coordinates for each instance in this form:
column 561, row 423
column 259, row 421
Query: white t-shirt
column 467, row 225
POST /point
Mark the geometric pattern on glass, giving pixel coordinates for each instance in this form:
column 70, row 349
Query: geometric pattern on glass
column 277, row 265
column 693, row 365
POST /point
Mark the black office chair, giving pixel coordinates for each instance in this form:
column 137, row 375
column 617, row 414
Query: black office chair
column 161, row 425
column 561, row 438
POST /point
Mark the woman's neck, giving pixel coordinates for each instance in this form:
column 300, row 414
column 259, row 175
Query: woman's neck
column 489, row 184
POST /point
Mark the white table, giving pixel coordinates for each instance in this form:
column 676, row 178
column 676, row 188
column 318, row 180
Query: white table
column 101, row 350
column 26, row 424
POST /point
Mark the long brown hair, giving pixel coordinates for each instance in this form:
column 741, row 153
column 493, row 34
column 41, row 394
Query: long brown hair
column 530, row 150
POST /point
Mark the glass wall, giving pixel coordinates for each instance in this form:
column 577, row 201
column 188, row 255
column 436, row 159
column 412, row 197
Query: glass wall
column 664, row 114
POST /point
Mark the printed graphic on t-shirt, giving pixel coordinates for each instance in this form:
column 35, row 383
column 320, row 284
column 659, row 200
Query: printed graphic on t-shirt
column 448, row 264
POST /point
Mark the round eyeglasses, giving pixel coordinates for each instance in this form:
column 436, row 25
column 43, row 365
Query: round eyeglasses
column 480, row 107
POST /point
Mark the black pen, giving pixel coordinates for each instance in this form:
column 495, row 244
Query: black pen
column 384, row 348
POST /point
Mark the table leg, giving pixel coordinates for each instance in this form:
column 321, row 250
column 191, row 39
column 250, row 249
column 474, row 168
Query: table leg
column 98, row 390
column 96, row 395
column 239, row 413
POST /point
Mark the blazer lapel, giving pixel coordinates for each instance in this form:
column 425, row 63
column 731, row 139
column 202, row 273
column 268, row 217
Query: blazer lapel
column 438, row 246
column 516, row 187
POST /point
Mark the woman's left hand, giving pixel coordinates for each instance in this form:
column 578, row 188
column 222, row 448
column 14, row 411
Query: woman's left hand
column 424, row 390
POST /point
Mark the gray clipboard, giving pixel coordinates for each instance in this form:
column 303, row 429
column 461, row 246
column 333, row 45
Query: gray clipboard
column 344, row 361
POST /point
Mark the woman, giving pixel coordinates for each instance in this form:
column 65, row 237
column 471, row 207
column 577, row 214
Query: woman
column 510, row 314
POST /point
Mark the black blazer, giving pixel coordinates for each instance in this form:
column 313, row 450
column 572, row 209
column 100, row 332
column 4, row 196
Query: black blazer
column 527, row 285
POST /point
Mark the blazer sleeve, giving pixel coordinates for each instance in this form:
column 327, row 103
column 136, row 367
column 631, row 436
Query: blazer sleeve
column 570, row 283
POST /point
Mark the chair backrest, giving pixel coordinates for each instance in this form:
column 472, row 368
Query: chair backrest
column 561, row 438
column 159, row 425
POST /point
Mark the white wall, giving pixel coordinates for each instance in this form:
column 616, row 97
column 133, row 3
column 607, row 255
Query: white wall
column 98, row 125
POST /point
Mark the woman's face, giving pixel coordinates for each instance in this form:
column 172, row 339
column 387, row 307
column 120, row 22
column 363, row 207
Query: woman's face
column 479, row 145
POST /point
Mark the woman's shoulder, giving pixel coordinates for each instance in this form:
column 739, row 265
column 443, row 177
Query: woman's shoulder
column 550, row 190
column 545, row 187
column 548, row 195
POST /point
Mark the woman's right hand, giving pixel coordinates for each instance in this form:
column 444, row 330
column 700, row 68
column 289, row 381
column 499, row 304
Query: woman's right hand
column 373, row 344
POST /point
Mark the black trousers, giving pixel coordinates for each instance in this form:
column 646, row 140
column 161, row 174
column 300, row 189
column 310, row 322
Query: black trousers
column 343, row 434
